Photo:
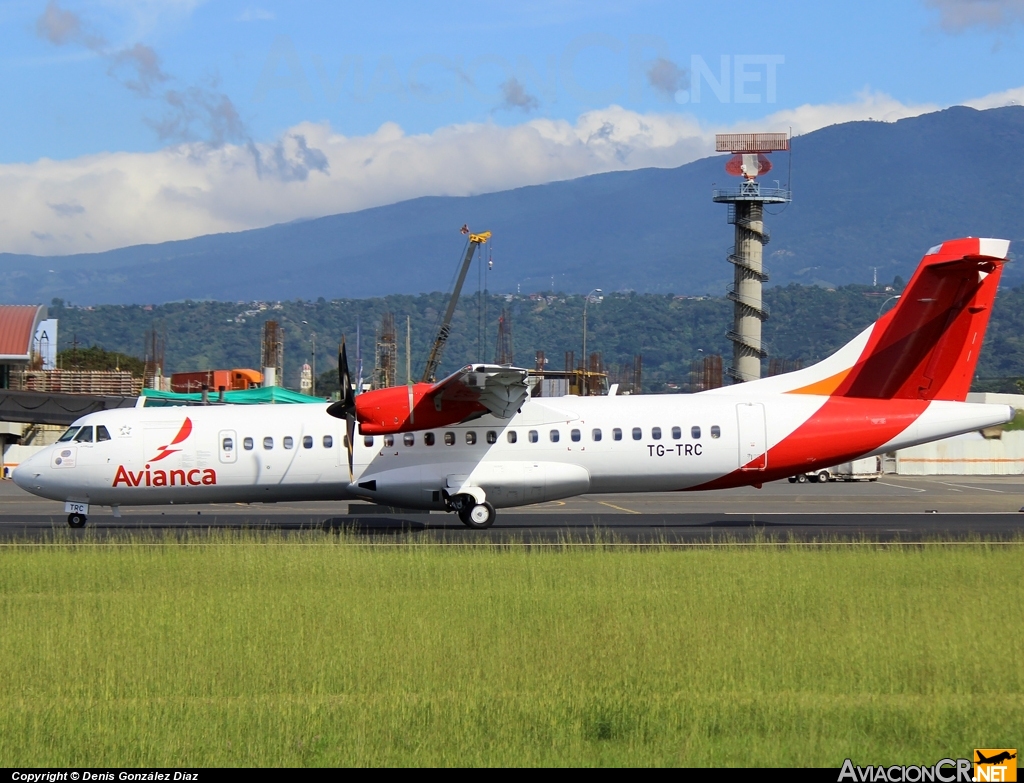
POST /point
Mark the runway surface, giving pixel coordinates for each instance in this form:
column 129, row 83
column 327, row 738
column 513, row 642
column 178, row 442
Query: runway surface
column 893, row 508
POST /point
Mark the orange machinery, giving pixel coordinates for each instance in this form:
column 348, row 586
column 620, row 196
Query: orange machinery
column 215, row 380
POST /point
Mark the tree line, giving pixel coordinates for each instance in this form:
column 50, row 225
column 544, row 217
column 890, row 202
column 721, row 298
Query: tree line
column 806, row 324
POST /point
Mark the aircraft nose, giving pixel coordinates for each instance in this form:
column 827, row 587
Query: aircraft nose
column 26, row 471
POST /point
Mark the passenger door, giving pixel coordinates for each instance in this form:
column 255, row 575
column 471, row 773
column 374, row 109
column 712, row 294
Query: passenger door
column 228, row 446
column 753, row 436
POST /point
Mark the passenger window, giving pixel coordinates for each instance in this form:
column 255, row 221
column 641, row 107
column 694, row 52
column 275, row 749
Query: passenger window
column 67, row 435
column 575, row 435
column 84, row 435
column 616, row 434
column 101, row 433
column 307, row 441
column 695, row 433
column 247, row 444
column 596, row 435
column 389, row 441
column 511, row 436
column 470, row 437
column 409, row 438
column 328, row 442
column 554, row 436
column 428, row 439
column 227, row 444
column 534, row 437
column 637, row 433
column 492, row 436
column 268, row 443
column 677, row 433
column 449, row 439
column 288, row 441
column 368, row 441
column 656, row 433
column 716, row 431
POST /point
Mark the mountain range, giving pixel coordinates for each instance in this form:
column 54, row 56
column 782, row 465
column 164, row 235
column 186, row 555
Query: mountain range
column 867, row 196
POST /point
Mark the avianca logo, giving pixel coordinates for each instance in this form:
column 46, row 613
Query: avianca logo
column 184, row 432
column 167, row 478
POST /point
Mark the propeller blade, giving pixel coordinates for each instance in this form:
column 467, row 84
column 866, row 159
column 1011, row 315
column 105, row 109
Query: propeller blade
column 350, row 431
column 346, row 405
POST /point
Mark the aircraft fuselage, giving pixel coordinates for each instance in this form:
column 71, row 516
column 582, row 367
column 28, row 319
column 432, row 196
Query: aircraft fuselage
column 553, row 448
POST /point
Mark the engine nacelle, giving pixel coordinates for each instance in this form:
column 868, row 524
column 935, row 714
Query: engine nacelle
column 387, row 411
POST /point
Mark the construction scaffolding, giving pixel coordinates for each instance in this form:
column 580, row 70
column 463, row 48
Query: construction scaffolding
column 385, row 369
column 272, row 354
column 101, row 382
column 782, row 366
column 504, row 352
column 153, row 375
column 706, row 373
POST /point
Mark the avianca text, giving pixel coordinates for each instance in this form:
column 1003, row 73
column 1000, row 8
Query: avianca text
column 164, row 478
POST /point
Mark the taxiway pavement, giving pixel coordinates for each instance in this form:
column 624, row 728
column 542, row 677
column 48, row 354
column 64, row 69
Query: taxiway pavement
column 892, row 508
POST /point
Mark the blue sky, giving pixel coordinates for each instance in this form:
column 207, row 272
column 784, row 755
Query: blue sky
column 142, row 121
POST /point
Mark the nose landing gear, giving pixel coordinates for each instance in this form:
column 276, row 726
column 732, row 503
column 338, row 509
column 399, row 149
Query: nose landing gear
column 76, row 520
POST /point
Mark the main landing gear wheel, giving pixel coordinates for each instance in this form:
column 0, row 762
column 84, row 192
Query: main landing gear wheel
column 76, row 520
column 478, row 516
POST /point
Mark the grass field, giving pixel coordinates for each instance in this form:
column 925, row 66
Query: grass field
column 317, row 651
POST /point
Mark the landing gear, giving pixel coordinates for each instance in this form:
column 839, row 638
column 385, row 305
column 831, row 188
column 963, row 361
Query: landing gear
column 478, row 516
column 76, row 520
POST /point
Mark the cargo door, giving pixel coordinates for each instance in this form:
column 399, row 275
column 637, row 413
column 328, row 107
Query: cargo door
column 753, row 436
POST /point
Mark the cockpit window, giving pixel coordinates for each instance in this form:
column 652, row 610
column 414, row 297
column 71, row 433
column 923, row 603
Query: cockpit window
column 68, row 435
column 84, row 435
column 101, row 433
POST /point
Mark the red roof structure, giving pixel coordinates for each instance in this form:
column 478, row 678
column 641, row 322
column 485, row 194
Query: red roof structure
column 17, row 329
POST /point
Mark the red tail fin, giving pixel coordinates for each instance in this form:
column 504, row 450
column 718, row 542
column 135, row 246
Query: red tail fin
column 927, row 347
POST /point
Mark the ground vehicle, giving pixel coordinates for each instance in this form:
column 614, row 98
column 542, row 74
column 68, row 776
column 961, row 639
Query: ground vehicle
column 215, row 380
column 864, row 469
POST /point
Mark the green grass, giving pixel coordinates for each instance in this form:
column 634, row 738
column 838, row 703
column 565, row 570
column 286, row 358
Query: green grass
column 249, row 651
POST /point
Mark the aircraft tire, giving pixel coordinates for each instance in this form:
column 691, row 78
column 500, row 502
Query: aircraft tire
column 479, row 516
column 76, row 520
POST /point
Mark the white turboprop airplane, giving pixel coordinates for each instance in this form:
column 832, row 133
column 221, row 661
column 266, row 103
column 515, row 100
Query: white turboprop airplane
column 476, row 441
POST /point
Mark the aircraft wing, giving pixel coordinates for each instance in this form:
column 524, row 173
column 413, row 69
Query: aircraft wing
column 500, row 389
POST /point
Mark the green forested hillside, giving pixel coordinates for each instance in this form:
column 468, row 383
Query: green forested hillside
column 807, row 323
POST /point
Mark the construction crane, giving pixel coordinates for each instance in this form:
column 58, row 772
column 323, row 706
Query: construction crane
column 430, row 371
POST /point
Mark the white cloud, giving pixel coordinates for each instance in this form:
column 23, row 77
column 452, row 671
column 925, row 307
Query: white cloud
column 1012, row 97
column 108, row 200
column 958, row 15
